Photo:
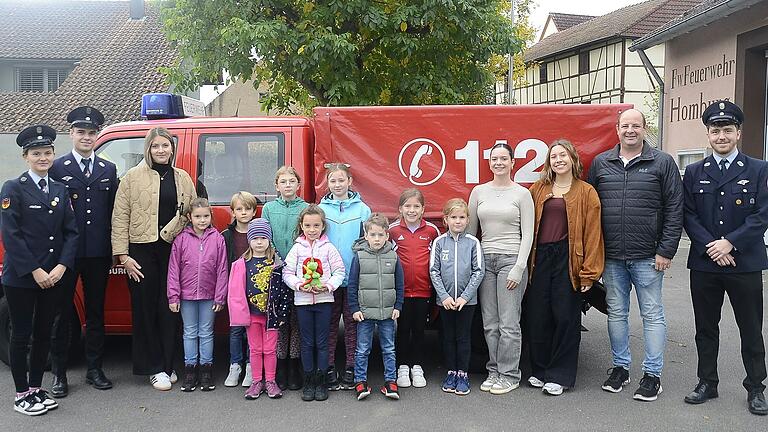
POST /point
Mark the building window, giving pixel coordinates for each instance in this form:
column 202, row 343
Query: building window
column 543, row 73
column 687, row 157
column 30, row 79
column 583, row 62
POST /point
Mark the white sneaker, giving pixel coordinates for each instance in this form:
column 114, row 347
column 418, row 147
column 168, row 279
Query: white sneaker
column 403, row 378
column 489, row 382
column 234, row 375
column 553, row 389
column 417, row 377
column 160, row 381
column 248, row 379
column 503, row 385
column 173, row 378
column 535, row 382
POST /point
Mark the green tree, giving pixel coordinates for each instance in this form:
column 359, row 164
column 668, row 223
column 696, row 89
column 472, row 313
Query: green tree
column 343, row 52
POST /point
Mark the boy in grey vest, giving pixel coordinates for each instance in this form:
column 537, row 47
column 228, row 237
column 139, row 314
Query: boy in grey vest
column 375, row 294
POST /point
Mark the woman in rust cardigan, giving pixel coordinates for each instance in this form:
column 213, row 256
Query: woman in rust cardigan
column 566, row 259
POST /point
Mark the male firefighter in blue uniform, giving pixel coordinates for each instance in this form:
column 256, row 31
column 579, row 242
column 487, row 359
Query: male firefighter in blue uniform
column 91, row 182
column 725, row 216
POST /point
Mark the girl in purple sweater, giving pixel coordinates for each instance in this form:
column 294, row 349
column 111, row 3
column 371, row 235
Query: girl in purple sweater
column 197, row 287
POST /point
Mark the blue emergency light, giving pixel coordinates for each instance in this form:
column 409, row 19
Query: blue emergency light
column 169, row 106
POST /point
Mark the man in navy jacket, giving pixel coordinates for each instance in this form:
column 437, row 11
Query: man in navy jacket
column 725, row 216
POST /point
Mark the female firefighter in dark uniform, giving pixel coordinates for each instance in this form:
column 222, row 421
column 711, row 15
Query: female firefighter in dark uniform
column 40, row 238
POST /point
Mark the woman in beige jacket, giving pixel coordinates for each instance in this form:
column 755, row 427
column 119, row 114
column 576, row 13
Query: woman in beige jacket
column 150, row 207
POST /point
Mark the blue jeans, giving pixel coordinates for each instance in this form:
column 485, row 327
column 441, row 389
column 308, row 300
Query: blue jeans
column 236, row 338
column 619, row 277
column 198, row 317
column 364, row 342
column 314, row 324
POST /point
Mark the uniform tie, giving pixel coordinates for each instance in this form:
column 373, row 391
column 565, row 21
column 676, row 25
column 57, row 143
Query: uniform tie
column 87, row 169
column 43, row 185
column 723, row 165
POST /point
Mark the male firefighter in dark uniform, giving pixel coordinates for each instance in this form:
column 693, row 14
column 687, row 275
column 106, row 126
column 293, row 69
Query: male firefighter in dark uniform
column 91, row 182
column 726, row 215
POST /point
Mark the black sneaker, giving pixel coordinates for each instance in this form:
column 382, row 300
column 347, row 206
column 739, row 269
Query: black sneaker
column 44, row 398
column 206, row 377
column 348, row 381
column 29, row 405
column 649, row 390
column 619, row 377
column 189, row 382
column 332, row 379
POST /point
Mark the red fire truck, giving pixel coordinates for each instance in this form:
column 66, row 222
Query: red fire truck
column 440, row 149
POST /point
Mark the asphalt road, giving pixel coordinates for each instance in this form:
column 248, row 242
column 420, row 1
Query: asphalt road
column 134, row 406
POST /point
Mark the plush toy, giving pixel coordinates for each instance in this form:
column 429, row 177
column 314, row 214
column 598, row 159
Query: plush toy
column 313, row 269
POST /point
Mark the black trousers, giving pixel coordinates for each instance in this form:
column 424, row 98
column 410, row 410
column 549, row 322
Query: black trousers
column 155, row 327
column 553, row 317
column 94, row 273
column 32, row 311
column 745, row 292
column 457, row 341
column 409, row 340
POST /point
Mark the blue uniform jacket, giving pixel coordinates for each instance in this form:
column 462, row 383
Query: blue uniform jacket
column 92, row 199
column 733, row 205
column 38, row 230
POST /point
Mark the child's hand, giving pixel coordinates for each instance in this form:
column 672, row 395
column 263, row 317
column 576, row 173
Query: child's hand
column 217, row 307
column 174, row 307
column 460, row 302
column 358, row 316
column 395, row 314
column 449, row 304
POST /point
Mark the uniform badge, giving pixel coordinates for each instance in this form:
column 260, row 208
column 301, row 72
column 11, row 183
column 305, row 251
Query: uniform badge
column 6, row 203
column 738, row 202
column 706, row 164
column 23, row 179
column 704, row 181
column 67, row 178
column 722, row 105
column 74, row 196
column 67, row 162
column 751, row 200
column 740, row 163
column 742, row 182
column 101, row 164
column 104, row 180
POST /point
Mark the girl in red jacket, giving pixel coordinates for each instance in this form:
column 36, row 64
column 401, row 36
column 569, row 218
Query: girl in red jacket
column 413, row 238
column 197, row 287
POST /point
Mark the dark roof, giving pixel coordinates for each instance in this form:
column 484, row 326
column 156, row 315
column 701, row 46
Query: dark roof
column 565, row 21
column 118, row 59
column 704, row 13
column 631, row 21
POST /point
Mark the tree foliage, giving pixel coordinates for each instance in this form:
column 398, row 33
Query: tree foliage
column 344, row 52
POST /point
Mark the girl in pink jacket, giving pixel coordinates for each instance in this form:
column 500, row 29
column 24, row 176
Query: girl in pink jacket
column 197, row 287
column 259, row 301
column 313, row 269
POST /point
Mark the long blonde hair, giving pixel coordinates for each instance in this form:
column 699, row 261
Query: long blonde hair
column 151, row 135
column 547, row 175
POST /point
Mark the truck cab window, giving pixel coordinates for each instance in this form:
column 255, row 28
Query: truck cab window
column 235, row 162
column 126, row 153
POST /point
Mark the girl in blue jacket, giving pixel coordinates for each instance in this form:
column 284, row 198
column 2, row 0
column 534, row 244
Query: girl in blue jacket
column 345, row 213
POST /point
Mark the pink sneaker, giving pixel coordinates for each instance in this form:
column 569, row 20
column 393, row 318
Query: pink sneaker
column 273, row 390
column 255, row 390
